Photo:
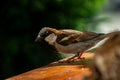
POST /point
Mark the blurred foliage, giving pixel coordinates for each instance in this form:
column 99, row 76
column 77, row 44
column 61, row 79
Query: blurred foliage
column 21, row 21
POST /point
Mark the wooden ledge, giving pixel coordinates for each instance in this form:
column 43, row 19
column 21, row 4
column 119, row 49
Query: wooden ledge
column 57, row 72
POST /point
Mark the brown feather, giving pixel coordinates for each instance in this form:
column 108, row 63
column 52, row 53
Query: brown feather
column 72, row 36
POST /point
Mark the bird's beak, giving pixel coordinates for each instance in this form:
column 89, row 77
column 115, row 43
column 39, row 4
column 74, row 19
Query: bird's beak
column 39, row 38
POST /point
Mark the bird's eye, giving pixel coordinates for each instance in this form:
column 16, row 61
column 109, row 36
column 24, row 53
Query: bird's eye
column 46, row 33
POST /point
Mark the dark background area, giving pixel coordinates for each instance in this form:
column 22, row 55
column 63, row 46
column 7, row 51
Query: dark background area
column 21, row 20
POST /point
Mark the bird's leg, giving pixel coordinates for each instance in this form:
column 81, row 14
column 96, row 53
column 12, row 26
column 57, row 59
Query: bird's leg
column 74, row 58
column 79, row 55
column 71, row 59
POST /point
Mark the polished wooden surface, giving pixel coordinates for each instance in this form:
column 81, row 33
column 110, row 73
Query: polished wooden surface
column 57, row 72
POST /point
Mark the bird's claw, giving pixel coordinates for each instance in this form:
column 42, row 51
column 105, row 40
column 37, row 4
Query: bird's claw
column 72, row 60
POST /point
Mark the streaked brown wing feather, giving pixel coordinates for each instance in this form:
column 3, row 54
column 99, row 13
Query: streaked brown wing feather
column 74, row 37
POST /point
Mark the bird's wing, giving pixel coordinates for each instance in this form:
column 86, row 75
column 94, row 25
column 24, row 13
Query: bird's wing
column 87, row 36
column 73, row 36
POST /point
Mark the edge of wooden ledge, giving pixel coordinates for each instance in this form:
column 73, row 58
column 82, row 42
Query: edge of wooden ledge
column 52, row 71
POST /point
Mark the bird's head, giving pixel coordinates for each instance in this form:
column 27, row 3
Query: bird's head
column 44, row 32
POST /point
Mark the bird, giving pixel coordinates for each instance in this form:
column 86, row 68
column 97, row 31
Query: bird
column 69, row 41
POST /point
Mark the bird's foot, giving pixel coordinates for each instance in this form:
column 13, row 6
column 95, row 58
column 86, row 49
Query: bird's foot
column 77, row 59
column 72, row 59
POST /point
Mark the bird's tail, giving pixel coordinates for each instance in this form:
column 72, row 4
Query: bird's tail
column 112, row 33
column 102, row 39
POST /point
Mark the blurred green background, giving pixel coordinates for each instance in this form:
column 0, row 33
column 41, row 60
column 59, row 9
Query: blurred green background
column 21, row 21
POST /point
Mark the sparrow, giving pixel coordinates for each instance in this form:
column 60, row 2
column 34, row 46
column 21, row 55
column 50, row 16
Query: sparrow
column 68, row 41
column 106, row 62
